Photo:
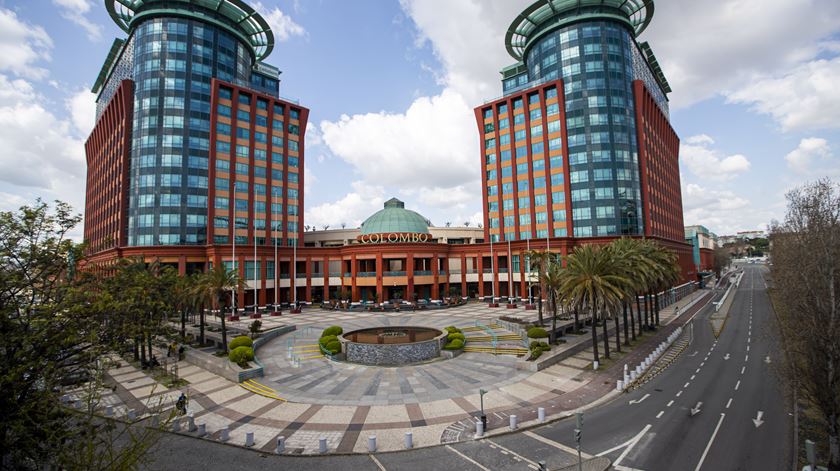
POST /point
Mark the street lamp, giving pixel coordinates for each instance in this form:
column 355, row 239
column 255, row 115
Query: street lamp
column 481, row 393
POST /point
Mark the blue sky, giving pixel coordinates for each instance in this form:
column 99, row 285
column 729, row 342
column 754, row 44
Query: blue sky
column 392, row 85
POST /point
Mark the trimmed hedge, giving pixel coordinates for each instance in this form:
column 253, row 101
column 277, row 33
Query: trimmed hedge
column 241, row 355
column 537, row 333
column 455, row 344
column 241, row 341
column 537, row 345
column 456, row 335
column 535, row 354
column 333, row 346
column 332, row 330
column 452, row 329
column 327, row 339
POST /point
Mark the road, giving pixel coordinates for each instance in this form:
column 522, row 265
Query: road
column 742, row 423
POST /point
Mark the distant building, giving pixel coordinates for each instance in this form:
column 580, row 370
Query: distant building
column 703, row 244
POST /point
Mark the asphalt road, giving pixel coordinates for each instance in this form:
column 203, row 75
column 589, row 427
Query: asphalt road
column 650, row 428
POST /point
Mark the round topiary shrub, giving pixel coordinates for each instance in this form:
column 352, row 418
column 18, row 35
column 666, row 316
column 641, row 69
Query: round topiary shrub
column 452, row 329
column 456, row 335
column 241, row 341
column 241, row 355
column 333, row 347
column 536, row 354
column 537, row 333
column 327, row 339
column 332, row 330
column 456, row 344
column 536, row 344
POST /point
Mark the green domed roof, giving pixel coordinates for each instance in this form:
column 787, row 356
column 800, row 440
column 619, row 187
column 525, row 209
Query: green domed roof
column 395, row 218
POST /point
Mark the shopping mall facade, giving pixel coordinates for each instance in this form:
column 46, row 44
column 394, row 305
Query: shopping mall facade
column 197, row 161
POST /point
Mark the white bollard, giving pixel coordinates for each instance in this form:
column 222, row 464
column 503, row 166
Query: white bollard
column 322, row 445
column 202, row 430
column 372, row 444
column 109, row 411
column 249, row 438
column 225, row 434
column 132, row 414
column 626, row 378
column 281, row 445
column 595, row 365
column 176, row 425
column 513, row 422
column 632, row 376
column 409, row 440
column 191, row 423
column 479, row 429
column 619, row 385
column 541, row 414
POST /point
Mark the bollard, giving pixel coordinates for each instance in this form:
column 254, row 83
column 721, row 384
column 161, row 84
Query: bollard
column 249, row 438
column 225, row 434
column 619, row 385
column 595, row 365
column 541, row 414
column 632, row 376
column 202, row 430
column 281, row 445
column 371, row 443
column 626, row 378
column 409, row 441
column 131, row 414
column 322, row 445
column 77, row 403
column 109, row 411
column 191, row 423
column 155, row 421
column 513, row 422
column 176, row 425
column 479, row 429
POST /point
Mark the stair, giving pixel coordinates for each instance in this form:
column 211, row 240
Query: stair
column 518, row 351
column 260, row 389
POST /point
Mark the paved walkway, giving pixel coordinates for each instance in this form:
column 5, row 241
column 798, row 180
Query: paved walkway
column 437, row 402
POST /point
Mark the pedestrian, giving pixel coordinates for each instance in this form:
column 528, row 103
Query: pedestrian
column 181, row 353
column 181, row 405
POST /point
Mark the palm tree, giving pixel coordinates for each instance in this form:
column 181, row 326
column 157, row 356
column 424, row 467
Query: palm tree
column 666, row 273
column 591, row 281
column 215, row 285
column 631, row 261
column 539, row 261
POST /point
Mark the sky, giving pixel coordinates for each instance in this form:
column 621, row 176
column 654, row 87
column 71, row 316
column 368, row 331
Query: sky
column 392, row 85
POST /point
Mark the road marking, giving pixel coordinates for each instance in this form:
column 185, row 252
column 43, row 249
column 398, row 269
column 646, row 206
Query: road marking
column 467, row 458
column 515, row 454
column 757, row 420
column 702, row 363
column 669, row 403
column 631, row 444
column 679, row 393
column 728, row 403
column 686, row 385
column 737, row 385
column 636, row 401
column 692, row 377
column 557, row 445
column 378, row 464
column 746, row 358
column 709, row 445
column 697, row 370
column 660, row 414
column 726, row 357
column 748, row 348
column 743, row 368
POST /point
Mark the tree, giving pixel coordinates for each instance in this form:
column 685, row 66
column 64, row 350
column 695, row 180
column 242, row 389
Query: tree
column 722, row 260
column 591, row 281
column 56, row 325
column 215, row 284
column 806, row 276
column 539, row 261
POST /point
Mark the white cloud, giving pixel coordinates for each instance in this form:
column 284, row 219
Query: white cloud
column 82, row 108
column 75, row 11
column 433, row 144
column 813, row 156
column 721, row 211
column 281, row 24
column 352, row 209
column 21, row 46
column 806, row 98
column 707, row 163
column 708, row 47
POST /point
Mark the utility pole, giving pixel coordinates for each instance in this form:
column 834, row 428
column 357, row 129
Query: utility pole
column 578, row 430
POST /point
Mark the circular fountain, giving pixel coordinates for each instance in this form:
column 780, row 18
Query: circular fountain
column 393, row 346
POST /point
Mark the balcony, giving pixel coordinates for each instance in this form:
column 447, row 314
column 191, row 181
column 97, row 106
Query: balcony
column 394, row 273
column 365, row 274
column 422, row 273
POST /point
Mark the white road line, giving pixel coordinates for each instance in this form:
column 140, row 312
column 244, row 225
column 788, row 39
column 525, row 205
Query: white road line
column 686, row 385
column 709, row 445
column 746, row 358
column 669, row 403
column 738, row 384
column 748, row 348
column 697, row 370
column 467, row 458
column 631, row 445
column 557, row 445
column 679, row 393
column 660, row 414
column 692, row 377
column 743, row 368
column 515, row 454
column 377, row 463
column 702, row 363
column 728, row 402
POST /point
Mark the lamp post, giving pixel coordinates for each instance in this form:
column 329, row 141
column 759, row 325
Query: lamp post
column 510, row 275
column 481, row 393
column 255, row 267
column 233, row 290
column 274, row 235
column 492, row 274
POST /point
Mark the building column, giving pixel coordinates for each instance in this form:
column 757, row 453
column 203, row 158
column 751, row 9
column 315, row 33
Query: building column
column 182, row 265
column 435, row 275
column 464, row 275
column 326, row 269
column 480, row 269
column 308, row 293
column 496, row 274
column 262, row 281
column 523, row 281
column 240, row 294
column 379, row 292
column 409, row 273
column 354, row 290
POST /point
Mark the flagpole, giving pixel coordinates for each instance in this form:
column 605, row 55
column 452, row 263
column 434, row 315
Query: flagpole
column 233, row 290
column 510, row 274
column 274, row 235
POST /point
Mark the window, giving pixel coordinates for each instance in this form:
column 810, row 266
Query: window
column 555, row 144
column 522, row 186
column 220, row 222
column 493, row 206
column 492, row 190
column 260, row 137
column 561, row 232
column 539, row 182
column 556, row 179
column 504, row 123
column 519, row 135
column 170, row 220
column 490, row 143
column 518, row 118
column 537, row 148
column 293, row 177
column 539, row 200
column 558, row 197
column 196, row 220
column 259, row 172
column 170, row 179
column 222, row 147
column 240, row 187
column 583, row 231
column 259, row 206
column 241, row 204
column 259, row 154
column 602, row 174
column 552, row 109
column 502, row 108
column 224, row 93
column 146, row 201
column 507, row 172
column 579, row 177
column 242, row 133
column 491, row 175
column 222, row 203
column 580, row 195
column 279, row 109
column 507, row 204
column 292, row 193
column 196, row 181
column 553, row 126
column 558, row 215
column 603, row 193
column 504, row 139
column 524, row 202
column 524, row 219
column 507, row 188
column 551, row 92
column 276, row 175
column 294, row 129
column 536, row 130
column 580, row 214
column 536, row 113
column 244, row 99
column 623, row 174
column 241, row 169
column 605, row 212
column 541, row 217
column 259, row 189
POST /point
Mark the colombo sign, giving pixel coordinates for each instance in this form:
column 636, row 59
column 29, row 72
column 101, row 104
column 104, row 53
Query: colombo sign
column 393, row 238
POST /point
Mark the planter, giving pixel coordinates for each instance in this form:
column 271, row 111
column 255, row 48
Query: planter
column 530, row 307
column 278, row 313
column 294, row 311
column 493, row 305
column 512, row 306
column 233, row 318
column 255, row 316
column 450, row 354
